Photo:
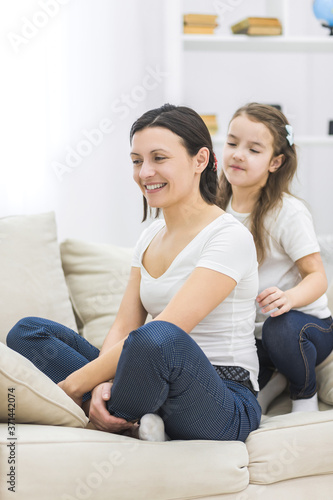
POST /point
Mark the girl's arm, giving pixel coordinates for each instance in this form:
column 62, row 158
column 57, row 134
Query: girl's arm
column 312, row 286
column 201, row 293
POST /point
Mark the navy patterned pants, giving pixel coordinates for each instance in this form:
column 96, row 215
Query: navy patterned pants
column 295, row 343
column 161, row 370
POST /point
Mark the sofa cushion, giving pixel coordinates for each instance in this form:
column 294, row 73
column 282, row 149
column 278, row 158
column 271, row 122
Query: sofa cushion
column 96, row 276
column 301, row 488
column 31, row 397
column 330, row 296
column 32, row 279
column 283, row 447
column 324, row 375
column 324, row 371
column 97, row 465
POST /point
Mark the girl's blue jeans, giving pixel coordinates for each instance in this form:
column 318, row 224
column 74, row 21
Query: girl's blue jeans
column 294, row 344
column 161, row 370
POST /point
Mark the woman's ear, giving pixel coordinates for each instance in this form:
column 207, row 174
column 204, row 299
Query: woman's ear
column 202, row 159
column 276, row 163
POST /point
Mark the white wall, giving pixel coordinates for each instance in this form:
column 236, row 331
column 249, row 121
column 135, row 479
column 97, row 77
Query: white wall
column 93, row 62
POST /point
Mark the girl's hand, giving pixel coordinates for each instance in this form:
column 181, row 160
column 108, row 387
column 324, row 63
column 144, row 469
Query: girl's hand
column 99, row 415
column 274, row 299
column 65, row 386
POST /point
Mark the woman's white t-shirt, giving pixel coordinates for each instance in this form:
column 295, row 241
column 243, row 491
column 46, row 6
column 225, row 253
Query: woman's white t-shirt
column 226, row 335
column 291, row 236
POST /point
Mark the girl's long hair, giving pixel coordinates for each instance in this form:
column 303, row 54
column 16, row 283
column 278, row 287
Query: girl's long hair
column 278, row 182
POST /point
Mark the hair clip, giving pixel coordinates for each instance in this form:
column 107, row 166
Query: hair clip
column 290, row 136
column 215, row 163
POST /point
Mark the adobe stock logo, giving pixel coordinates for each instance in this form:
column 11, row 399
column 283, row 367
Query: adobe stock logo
column 224, row 7
column 121, row 108
column 31, row 27
column 97, row 483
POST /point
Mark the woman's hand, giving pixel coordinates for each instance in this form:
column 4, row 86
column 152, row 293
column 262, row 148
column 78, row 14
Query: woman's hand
column 274, row 299
column 65, row 386
column 99, row 415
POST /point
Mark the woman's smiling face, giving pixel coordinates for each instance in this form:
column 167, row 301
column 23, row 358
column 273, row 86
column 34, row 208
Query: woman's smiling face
column 162, row 168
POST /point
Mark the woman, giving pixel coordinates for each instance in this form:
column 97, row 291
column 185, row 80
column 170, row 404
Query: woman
column 195, row 272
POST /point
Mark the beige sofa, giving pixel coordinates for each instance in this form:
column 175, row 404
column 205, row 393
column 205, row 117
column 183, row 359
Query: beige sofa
column 46, row 451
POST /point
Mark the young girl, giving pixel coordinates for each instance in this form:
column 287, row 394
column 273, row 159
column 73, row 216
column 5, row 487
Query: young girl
column 293, row 324
column 195, row 272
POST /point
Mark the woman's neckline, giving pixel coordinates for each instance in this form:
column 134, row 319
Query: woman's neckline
column 179, row 254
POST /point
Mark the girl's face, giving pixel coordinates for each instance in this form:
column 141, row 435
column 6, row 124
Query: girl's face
column 248, row 153
column 163, row 169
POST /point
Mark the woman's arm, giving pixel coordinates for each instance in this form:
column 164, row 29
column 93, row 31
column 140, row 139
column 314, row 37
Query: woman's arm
column 204, row 290
column 312, row 286
column 131, row 315
column 92, row 374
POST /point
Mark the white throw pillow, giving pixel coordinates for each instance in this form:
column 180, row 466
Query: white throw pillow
column 329, row 294
column 324, row 371
column 96, row 275
column 28, row 396
column 32, row 279
column 324, row 375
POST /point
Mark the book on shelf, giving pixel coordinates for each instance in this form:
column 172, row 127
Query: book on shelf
column 200, row 19
column 200, row 23
column 258, row 26
column 262, row 31
column 202, row 30
column 211, row 123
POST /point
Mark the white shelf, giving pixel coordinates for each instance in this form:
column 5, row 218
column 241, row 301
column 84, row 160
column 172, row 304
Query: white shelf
column 257, row 43
column 299, row 141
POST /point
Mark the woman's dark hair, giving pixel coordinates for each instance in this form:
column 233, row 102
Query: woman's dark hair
column 278, row 182
column 191, row 128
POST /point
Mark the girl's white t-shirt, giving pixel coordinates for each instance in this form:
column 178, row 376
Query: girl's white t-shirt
column 291, row 236
column 226, row 335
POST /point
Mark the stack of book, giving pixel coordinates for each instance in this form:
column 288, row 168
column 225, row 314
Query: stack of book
column 258, row 26
column 211, row 123
column 200, row 23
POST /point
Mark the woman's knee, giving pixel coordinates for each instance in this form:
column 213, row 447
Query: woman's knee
column 21, row 330
column 156, row 335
